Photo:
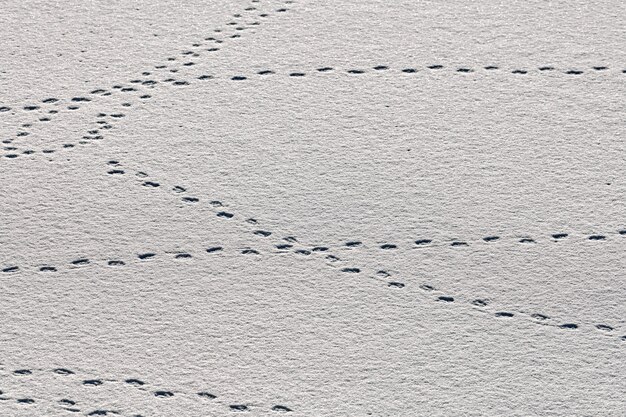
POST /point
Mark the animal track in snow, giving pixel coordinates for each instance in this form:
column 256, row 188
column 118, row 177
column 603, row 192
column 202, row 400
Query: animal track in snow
column 140, row 257
column 421, row 243
column 15, row 152
column 538, row 318
column 64, row 377
column 480, row 242
column 307, row 250
column 137, row 87
column 443, row 299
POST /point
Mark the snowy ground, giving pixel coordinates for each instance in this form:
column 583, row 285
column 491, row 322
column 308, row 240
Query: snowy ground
column 312, row 208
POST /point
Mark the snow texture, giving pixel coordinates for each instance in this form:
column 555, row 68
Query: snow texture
column 312, row 208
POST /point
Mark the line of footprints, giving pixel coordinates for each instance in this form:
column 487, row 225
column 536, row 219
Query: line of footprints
column 482, row 303
column 115, row 168
column 74, row 102
column 217, row 250
column 415, row 70
column 106, row 121
column 234, row 29
column 437, row 295
column 48, row 107
column 290, row 244
column 141, row 87
column 72, row 405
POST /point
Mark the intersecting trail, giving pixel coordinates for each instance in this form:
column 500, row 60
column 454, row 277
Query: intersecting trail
column 112, row 106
